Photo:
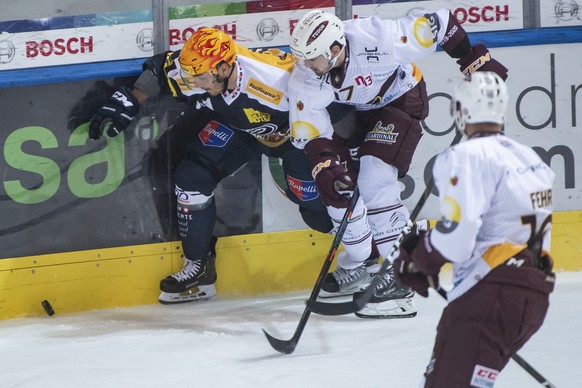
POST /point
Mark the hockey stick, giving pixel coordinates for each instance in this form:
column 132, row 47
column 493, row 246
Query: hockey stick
column 516, row 357
column 362, row 298
column 288, row 346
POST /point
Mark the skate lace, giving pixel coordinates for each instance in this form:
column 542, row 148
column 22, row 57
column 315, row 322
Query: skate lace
column 344, row 276
column 386, row 282
column 190, row 270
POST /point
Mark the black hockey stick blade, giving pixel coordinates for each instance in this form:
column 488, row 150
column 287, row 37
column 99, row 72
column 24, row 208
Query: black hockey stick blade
column 282, row 346
column 288, row 346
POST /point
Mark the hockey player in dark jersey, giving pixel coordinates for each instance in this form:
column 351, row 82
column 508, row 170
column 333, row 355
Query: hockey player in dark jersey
column 243, row 103
column 368, row 63
column 495, row 199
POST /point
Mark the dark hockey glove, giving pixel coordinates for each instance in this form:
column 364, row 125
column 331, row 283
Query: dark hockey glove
column 478, row 58
column 116, row 115
column 331, row 178
column 418, row 264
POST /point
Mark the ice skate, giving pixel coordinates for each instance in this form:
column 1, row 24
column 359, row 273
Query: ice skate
column 347, row 281
column 391, row 299
column 194, row 282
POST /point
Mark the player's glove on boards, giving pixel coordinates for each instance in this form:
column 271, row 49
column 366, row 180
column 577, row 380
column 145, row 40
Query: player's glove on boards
column 116, row 115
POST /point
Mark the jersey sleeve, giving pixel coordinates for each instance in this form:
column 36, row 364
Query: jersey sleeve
column 308, row 100
column 465, row 192
column 418, row 35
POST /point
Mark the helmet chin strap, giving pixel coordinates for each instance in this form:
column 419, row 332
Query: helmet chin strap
column 333, row 61
column 224, row 80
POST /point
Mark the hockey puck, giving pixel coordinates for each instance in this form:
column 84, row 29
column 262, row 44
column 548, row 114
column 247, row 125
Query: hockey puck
column 48, row 308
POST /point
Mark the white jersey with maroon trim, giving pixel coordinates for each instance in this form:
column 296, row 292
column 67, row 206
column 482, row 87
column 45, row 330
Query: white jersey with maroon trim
column 258, row 105
column 495, row 194
column 378, row 69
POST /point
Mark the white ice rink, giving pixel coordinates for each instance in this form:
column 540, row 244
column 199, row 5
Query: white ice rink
column 220, row 344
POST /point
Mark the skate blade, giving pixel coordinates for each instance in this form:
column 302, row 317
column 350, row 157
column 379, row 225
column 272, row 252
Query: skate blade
column 328, row 295
column 193, row 294
column 392, row 309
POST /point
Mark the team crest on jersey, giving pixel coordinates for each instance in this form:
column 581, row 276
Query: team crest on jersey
column 215, row 134
column 255, row 116
column 382, row 134
column 304, row 190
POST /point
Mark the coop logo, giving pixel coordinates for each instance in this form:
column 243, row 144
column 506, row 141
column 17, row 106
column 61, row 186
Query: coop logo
column 7, row 51
column 267, row 29
column 487, row 14
column 60, row 46
column 567, row 11
column 215, row 134
column 145, row 40
column 304, row 190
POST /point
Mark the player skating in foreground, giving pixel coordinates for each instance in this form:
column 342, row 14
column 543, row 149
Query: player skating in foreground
column 495, row 199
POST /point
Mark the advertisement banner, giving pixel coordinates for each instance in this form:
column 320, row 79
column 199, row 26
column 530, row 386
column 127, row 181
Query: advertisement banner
column 75, row 40
column 63, row 192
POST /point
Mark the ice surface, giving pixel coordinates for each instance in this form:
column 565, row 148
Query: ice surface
column 219, row 343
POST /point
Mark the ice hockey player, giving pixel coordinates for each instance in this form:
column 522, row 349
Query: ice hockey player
column 243, row 104
column 368, row 63
column 495, row 199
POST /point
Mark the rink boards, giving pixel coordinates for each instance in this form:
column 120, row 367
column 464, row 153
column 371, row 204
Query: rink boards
column 247, row 265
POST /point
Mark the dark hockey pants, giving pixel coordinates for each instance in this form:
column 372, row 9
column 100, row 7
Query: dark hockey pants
column 205, row 166
column 480, row 331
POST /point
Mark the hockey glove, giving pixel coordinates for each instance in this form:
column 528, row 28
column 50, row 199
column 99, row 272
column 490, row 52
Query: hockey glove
column 116, row 115
column 478, row 58
column 331, row 178
column 418, row 264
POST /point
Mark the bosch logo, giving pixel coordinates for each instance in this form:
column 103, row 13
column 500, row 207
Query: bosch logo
column 59, row 46
column 181, row 36
column 487, row 14
column 145, row 40
column 267, row 29
column 7, row 51
column 317, row 32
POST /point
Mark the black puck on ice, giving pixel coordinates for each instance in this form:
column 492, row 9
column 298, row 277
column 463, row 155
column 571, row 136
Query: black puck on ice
column 48, row 308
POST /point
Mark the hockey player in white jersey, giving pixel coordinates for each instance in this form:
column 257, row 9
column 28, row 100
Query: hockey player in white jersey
column 495, row 199
column 368, row 63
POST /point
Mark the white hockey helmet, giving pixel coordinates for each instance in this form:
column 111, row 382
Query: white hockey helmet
column 480, row 98
column 315, row 33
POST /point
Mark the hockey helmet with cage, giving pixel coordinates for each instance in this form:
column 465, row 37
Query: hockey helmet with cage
column 315, row 33
column 480, row 98
column 205, row 50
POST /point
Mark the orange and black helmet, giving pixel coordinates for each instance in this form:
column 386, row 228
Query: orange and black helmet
column 205, row 50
